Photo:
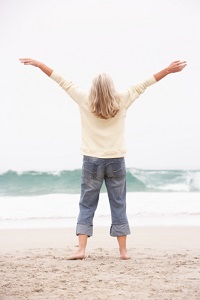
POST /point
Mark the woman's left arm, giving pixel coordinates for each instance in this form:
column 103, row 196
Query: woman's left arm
column 29, row 61
column 69, row 87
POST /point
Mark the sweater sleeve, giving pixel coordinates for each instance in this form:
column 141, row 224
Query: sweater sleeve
column 69, row 87
column 135, row 91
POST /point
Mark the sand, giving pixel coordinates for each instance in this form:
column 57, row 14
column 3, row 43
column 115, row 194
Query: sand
column 164, row 265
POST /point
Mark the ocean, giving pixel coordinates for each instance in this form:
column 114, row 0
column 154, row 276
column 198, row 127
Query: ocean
column 50, row 199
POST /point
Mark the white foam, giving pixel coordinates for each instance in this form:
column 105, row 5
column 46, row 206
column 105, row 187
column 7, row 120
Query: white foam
column 62, row 210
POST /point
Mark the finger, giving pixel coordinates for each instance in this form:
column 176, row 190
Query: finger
column 26, row 61
column 182, row 65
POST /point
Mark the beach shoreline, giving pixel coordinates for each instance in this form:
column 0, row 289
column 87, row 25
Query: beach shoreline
column 164, row 265
column 158, row 237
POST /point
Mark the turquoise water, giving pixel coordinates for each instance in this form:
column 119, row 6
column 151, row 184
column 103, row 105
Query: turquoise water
column 68, row 182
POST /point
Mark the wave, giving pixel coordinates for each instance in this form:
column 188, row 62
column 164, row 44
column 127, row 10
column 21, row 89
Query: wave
column 167, row 180
column 30, row 183
column 14, row 183
column 55, row 210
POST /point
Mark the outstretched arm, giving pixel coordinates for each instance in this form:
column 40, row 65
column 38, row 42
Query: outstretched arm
column 175, row 66
column 29, row 61
column 136, row 90
column 70, row 88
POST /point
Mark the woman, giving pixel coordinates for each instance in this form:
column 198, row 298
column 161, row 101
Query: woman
column 103, row 113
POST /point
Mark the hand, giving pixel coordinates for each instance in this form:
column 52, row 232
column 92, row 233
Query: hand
column 176, row 66
column 30, row 61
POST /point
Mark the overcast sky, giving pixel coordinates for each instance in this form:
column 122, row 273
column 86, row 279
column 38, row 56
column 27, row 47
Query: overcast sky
column 131, row 40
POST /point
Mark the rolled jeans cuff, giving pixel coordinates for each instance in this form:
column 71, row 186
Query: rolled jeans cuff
column 120, row 230
column 84, row 229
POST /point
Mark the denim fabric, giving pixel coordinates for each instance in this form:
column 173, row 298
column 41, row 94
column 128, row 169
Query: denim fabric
column 94, row 172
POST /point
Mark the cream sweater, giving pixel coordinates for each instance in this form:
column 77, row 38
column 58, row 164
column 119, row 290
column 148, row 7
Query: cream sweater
column 102, row 138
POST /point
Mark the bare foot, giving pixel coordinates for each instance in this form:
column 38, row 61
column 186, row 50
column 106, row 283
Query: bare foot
column 124, row 256
column 76, row 256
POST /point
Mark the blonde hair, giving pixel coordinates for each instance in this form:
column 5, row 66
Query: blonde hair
column 103, row 98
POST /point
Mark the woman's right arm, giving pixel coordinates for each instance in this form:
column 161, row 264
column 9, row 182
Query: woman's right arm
column 174, row 67
column 136, row 90
column 29, row 61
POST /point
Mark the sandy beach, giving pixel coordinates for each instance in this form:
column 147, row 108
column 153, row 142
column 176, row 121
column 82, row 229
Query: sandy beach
column 164, row 265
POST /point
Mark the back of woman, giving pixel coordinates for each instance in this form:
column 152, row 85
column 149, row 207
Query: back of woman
column 103, row 114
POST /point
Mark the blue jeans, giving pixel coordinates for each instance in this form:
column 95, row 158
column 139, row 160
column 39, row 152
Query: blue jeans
column 94, row 172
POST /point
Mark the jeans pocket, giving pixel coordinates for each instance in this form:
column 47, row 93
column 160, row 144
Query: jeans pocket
column 89, row 170
column 116, row 169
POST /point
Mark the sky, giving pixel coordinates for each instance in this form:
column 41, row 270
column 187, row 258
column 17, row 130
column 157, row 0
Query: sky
column 130, row 40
